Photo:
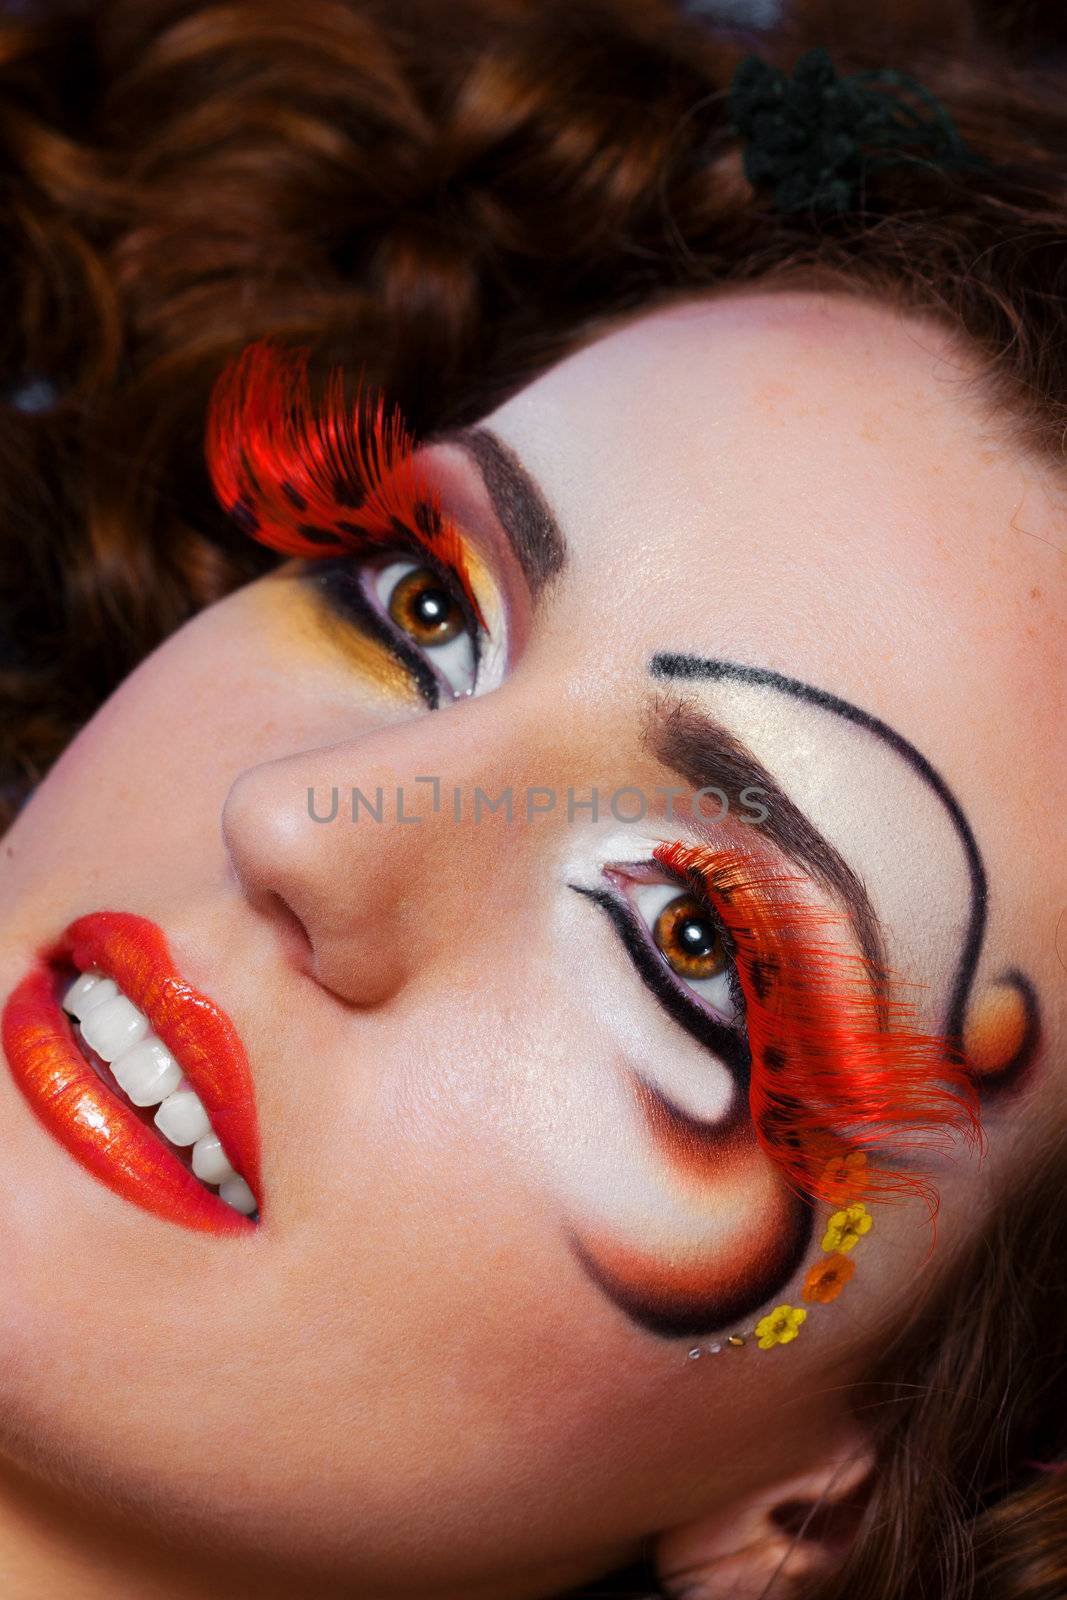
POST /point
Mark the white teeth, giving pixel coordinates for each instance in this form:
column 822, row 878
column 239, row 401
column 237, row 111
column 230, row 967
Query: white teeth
column 237, row 1194
column 90, row 990
column 114, row 1026
column 209, row 1160
column 182, row 1117
column 148, row 1073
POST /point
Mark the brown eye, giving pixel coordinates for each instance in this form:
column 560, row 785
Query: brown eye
column 689, row 938
column 422, row 606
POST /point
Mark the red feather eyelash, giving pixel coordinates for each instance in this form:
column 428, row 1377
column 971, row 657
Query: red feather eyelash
column 836, row 1065
column 314, row 479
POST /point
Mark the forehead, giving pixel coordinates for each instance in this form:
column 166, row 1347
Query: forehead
column 759, row 437
column 791, row 359
column 806, row 482
column 810, row 484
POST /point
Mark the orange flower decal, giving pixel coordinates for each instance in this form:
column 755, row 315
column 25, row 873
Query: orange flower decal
column 845, row 1178
column 827, row 1278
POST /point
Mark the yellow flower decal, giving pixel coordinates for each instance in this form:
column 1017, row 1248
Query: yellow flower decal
column 845, row 1177
column 827, row 1278
column 780, row 1326
column 846, row 1228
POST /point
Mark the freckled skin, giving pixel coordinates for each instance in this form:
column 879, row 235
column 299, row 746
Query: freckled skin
column 434, row 1022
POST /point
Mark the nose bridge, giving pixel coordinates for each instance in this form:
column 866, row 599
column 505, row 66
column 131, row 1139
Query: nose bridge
column 357, row 840
column 428, row 776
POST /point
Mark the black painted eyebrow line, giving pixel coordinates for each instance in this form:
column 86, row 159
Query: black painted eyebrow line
column 705, row 753
column 666, row 664
column 523, row 512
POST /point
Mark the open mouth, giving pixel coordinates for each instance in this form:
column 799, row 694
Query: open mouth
column 134, row 1064
column 141, row 1077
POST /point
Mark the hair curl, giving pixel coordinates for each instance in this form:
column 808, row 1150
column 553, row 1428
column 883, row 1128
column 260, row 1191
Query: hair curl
column 451, row 208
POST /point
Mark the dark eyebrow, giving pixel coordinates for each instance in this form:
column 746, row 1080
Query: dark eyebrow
column 524, row 514
column 690, row 668
column 708, row 755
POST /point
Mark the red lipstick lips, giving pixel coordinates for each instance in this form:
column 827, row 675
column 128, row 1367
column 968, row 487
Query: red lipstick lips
column 99, row 1129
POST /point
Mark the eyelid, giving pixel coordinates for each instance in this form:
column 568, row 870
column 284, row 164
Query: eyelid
column 464, row 499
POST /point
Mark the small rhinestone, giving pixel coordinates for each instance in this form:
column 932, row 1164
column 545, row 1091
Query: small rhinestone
column 694, row 1354
column 714, row 1348
column 735, row 1340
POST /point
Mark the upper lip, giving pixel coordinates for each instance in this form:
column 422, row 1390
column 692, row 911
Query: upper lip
column 197, row 1032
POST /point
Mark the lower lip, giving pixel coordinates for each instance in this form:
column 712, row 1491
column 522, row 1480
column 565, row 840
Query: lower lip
column 104, row 1134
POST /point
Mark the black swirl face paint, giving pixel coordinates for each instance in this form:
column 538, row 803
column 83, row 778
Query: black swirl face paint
column 690, row 1290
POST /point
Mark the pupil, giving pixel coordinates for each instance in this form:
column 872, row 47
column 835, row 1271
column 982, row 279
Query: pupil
column 695, row 937
column 431, row 606
column 424, row 607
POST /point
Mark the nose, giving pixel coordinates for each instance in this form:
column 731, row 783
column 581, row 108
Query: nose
column 345, row 849
column 336, row 913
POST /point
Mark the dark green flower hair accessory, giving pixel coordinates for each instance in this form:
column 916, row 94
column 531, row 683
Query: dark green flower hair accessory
column 816, row 136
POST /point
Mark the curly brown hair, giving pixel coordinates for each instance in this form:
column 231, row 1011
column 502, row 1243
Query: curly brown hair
column 450, row 208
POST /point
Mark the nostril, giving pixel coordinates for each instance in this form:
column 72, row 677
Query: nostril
column 294, row 935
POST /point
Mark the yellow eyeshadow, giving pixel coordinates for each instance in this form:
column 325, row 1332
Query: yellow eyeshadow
column 485, row 590
column 307, row 621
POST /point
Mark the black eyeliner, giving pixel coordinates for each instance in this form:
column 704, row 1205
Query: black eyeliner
column 339, row 580
column 726, row 1043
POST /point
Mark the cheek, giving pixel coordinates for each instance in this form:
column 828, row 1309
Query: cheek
column 677, row 1220
column 136, row 798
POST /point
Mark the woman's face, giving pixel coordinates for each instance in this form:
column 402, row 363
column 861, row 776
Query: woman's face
column 509, row 1179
